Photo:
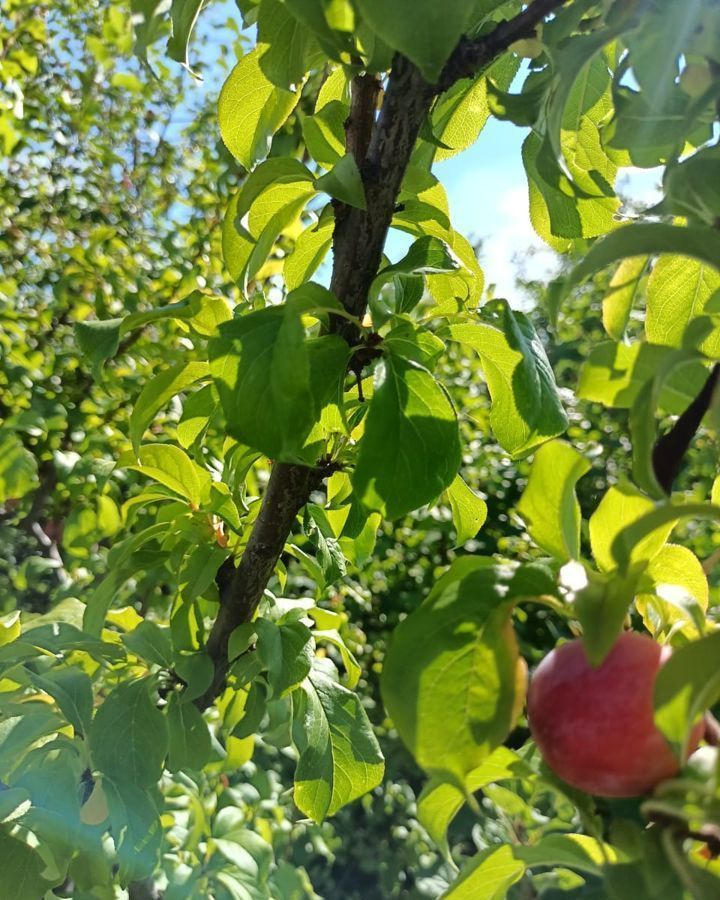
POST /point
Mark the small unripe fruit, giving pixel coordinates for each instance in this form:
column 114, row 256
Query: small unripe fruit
column 95, row 809
column 695, row 79
column 528, row 48
column 594, row 726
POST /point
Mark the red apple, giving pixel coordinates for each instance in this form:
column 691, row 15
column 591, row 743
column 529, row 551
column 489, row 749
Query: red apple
column 594, row 726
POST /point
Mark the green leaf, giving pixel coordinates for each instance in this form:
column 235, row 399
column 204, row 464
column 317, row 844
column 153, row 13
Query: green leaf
column 622, row 292
column 488, row 876
column 158, row 390
column 310, row 249
column 197, row 411
column 71, row 689
column 677, row 293
column 642, row 239
column 558, row 214
column 423, row 30
column 662, row 519
column 136, row 759
column 183, row 15
column 574, row 851
column 287, row 48
column 151, row 643
column 261, row 367
column 344, row 182
column 98, row 340
column 427, row 255
column 135, row 826
column 410, row 451
column 340, row 759
column 601, row 605
column 270, row 200
column 674, row 593
column 195, row 669
column 469, row 510
column 622, row 505
column 460, row 114
column 441, row 801
column 251, row 109
column 352, row 667
column 686, row 685
column 19, row 733
column 614, row 374
column 691, row 187
column 189, row 738
column 324, row 133
column 18, row 468
column 287, row 653
column 453, row 668
column 171, row 466
column 22, row 868
column 526, row 408
column 549, row 505
column 199, row 568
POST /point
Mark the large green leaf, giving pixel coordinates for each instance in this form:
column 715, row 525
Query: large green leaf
column 614, row 374
column 643, row 239
column 158, row 390
column 677, row 293
column 673, row 593
column 526, row 408
column 622, row 505
column 453, row 668
column 343, row 182
column 270, row 200
column 100, row 339
column 286, row 651
column 288, row 49
column 643, row 532
column 183, row 16
column 189, row 738
column 460, row 113
column 340, row 758
column 549, row 504
column 138, row 756
column 469, row 510
column 440, row 801
column 686, row 685
column 423, row 30
column 557, row 214
column 135, row 825
column 22, row 868
column 621, row 295
column 251, row 109
column 488, row 876
column 410, row 451
column 269, row 388
column 171, row 466
column 310, row 249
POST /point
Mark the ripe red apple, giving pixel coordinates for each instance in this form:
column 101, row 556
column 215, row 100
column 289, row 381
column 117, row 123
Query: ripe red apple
column 594, row 726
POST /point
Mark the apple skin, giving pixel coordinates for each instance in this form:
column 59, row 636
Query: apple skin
column 594, row 726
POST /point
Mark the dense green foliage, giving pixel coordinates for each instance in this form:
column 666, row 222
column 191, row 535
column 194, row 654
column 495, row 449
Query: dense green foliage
column 282, row 528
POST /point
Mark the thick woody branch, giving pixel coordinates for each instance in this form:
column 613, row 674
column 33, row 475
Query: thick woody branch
column 382, row 145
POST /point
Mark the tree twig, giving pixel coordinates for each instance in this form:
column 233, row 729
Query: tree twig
column 472, row 55
column 670, row 449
